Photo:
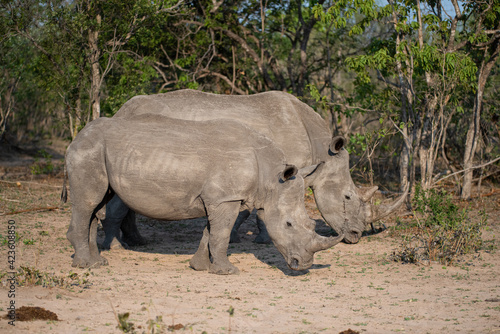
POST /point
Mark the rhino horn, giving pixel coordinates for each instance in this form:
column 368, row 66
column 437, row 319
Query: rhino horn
column 383, row 210
column 321, row 243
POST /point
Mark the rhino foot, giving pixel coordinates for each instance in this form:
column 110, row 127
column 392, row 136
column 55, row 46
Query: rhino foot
column 115, row 243
column 223, row 270
column 134, row 240
column 200, row 264
column 92, row 262
column 263, row 238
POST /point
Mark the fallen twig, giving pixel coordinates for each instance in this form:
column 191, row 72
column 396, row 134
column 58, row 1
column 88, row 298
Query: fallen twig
column 49, row 208
column 29, row 182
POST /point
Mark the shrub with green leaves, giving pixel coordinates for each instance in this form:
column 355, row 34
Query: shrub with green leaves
column 436, row 208
column 440, row 231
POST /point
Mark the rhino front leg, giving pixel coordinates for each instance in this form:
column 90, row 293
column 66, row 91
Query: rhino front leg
column 112, row 240
column 220, row 221
column 263, row 237
column 116, row 212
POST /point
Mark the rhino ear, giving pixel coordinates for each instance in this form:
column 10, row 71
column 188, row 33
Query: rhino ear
column 337, row 144
column 287, row 173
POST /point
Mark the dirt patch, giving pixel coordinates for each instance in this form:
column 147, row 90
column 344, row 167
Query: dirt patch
column 349, row 331
column 354, row 288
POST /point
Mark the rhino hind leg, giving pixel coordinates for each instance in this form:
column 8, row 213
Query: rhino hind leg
column 130, row 233
column 201, row 259
column 220, row 222
column 242, row 216
column 89, row 193
column 95, row 258
column 83, row 239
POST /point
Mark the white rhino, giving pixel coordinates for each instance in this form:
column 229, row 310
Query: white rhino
column 295, row 127
column 176, row 169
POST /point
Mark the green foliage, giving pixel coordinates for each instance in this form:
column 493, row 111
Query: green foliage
column 4, row 239
column 156, row 325
column 440, row 231
column 29, row 241
column 123, row 324
column 29, row 276
column 435, row 207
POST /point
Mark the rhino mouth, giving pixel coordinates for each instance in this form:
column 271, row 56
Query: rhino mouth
column 296, row 263
column 352, row 237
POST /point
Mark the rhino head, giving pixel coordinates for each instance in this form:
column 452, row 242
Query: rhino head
column 345, row 207
column 290, row 228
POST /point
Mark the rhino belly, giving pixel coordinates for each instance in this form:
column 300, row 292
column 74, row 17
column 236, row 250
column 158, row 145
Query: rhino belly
column 158, row 185
column 167, row 204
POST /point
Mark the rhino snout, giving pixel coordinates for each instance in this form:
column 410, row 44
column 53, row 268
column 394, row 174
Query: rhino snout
column 296, row 262
column 352, row 236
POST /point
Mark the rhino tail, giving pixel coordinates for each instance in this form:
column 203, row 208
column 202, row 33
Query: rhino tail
column 64, row 193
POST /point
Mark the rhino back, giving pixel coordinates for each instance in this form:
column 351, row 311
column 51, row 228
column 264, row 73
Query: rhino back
column 191, row 164
column 292, row 125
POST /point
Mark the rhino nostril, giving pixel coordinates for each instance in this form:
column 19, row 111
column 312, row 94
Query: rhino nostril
column 294, row 264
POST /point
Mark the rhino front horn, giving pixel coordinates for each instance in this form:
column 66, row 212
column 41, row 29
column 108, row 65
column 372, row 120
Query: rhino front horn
column 383, row 210
column 320, row 242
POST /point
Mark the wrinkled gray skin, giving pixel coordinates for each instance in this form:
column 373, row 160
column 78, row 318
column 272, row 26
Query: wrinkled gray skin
column 181, row 170
column 298, row 130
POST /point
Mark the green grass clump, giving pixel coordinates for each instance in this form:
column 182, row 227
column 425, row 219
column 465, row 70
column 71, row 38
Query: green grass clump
column 29, row 276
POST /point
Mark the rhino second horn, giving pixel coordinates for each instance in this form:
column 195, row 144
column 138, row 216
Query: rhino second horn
column 320, row 242
column 367, row 193
column 383, row 210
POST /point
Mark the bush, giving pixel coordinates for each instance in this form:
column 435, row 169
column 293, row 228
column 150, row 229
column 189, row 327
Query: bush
column 440, row 230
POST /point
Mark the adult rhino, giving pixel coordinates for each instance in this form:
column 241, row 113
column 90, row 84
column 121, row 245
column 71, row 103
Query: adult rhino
column 296, row 128
column 183, row 169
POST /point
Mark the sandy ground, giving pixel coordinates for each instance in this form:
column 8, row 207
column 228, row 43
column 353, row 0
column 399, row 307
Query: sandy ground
column 356, row 287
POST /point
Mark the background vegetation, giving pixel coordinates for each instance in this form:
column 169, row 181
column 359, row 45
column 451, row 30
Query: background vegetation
column 412, row 83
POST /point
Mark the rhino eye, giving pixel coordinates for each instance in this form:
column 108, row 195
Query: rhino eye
column 347, row 197
column 288, row 224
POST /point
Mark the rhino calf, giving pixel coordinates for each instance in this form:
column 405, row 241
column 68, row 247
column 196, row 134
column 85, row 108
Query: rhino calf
column 177, row 169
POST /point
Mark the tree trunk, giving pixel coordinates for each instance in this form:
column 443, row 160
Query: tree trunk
column 406, row 159
column 74, row 118
column 6, row 104
column 474, row 129
column 95, row 90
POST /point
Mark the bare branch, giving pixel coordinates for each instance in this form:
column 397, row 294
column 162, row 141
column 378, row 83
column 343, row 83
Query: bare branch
column 467, row 169
column 225, row 78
